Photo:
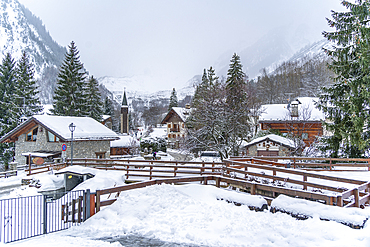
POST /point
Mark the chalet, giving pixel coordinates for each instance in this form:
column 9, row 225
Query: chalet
column 125, row 145
column 43, row 136
column 299, row 118
column 270, row 145
column 175, row 122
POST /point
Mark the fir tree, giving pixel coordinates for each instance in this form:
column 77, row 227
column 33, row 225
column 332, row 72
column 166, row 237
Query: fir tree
column 69, row 97
column 237, row 105
column 108, row 106
column 173, row 100
column 346, row 102
column 7, row 108
column 7, row 93
column 26, row 88
column 94, row 105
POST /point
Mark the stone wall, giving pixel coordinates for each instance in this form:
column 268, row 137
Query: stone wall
column 81, row 149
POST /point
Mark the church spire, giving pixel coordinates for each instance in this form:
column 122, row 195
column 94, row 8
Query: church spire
column 124, row 99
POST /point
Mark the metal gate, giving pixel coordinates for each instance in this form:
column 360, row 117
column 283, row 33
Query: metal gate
column 26, row 217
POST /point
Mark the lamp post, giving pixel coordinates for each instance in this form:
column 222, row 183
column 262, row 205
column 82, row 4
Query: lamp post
column 72, row 128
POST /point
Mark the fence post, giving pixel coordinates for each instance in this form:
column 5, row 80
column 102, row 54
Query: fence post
column 45, row 215
column 97, row 200
column 305, row 180
column 339, row 201
column 253, row 189
column 92, row 204
column 357, row 197
column 86, row 204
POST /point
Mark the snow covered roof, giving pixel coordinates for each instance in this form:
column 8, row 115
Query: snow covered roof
column 86, row 128
column 278, row 139
column 124, row 141
column 182, row 112
column 307, row 111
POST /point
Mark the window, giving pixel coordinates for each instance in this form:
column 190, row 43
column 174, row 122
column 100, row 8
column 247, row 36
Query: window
column 100, row 155
column 305, row 136
column 52, row 138
column 169, row 126
column 32, row 135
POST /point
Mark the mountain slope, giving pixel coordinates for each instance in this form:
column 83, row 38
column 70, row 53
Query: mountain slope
column 21, row 31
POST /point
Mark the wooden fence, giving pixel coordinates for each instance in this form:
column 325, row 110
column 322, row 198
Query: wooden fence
column 258, row 176
column 357, row 196
column 319, row 163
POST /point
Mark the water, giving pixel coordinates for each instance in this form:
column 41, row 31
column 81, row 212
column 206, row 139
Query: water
column 140, row 241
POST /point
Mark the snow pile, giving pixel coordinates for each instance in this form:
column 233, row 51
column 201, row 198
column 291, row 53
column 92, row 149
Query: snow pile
column 306, row 208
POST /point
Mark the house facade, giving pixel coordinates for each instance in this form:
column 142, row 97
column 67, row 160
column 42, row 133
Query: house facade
column 297, row 118
column 270, row 145
column 43, row 136
column 175, row 122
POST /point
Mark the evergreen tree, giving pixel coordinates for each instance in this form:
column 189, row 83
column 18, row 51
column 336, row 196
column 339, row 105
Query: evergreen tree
column 173, row 100
column 69, row 97
column 108, row 106
column 347, row 101
column 26, row 88
column 237, row 105
column 7, row 93
column 7, row 108
column 94, row 105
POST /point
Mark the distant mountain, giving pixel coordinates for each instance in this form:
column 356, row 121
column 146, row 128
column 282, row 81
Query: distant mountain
column 135, row 88
column 21, row 31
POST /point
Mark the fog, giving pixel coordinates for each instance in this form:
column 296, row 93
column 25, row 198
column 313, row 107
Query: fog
column 172, row 41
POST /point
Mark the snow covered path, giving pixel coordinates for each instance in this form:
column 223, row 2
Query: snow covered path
column 192, row 214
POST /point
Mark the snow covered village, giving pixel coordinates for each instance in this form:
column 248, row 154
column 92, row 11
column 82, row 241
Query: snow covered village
column 267, row 145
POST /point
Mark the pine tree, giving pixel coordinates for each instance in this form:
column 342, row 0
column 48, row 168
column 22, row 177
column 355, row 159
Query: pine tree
column 346, row 102
column 69, row 97
column 26, row 88
column 108, row 106
column 237, row 105
column 7, row 97
column 7, row 108
column 173, row 100
column 94, row 105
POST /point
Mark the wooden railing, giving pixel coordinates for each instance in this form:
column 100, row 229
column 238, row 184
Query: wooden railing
column 360, row 193
column 44, row 168
column 239, row 172
column 8, row 174
column 218, row 181
column 154, row 168
column 326, row 164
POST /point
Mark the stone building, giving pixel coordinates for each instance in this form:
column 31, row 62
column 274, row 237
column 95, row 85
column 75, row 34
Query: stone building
column 270, row 145
column 43, row 136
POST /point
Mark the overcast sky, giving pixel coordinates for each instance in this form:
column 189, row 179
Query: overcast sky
column 170, row 40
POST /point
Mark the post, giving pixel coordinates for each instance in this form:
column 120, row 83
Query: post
column 29, row 165
column 72, row 128
column 339, row 201
column 305, row 180
column 97, row 200
column 45, row 215
column 356, row 194
column 86, row 205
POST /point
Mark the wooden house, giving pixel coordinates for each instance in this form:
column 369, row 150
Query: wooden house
column 44, row 135
column 270, row 145
column 125, row 145
column 298, row 118
column 175, row 122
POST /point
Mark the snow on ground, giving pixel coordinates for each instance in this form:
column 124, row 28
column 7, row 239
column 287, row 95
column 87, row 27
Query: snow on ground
column 193, row 214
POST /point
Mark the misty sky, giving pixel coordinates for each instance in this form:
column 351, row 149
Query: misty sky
column 171, row 40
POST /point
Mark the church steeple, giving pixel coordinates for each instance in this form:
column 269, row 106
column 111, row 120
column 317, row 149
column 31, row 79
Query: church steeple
column 124, row 99
column 124, row 114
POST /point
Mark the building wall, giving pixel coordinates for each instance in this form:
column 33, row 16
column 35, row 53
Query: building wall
column 81, row 149
column 282, row 151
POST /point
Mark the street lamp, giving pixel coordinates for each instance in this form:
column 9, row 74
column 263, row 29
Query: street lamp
column 72, row 128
